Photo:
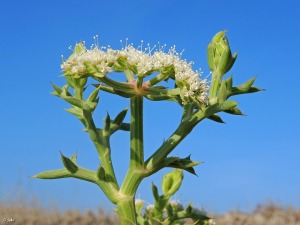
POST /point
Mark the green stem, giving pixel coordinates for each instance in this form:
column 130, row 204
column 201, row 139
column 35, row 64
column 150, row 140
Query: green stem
column 160, row 92
column 78, row 93
column 153, row 163
column 120, row 86
column 111, row 90
column 215, row 83
column 155, row 80
column 136, row 133
column 187, row 112
column 101, row 143
column 129, row 75
column 136, row 172
column 126, row 211
column 139, row 82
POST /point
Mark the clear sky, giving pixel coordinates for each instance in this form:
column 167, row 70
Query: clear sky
column 249, row 160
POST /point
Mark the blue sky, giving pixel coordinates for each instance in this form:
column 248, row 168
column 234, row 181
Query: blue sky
column 249, row 160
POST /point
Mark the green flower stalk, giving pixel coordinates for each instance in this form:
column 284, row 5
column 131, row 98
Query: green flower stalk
column 145, row 71
column 220, row 60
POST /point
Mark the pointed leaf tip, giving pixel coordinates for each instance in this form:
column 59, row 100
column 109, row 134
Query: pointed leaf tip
column 69, row 164
column 235, row 111
column 107, row 124
column 52, row 174
column 74, row 158
column 216, row 118
column 120, row 117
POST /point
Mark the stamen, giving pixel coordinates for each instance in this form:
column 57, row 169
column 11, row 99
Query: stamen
column 121, row 41
column 96, row 41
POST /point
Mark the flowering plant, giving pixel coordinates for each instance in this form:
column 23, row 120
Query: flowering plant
column 144, row 70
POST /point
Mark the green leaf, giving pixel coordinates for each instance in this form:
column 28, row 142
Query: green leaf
column 232, row 61
column 228, row 82
column 67, row 96
column 120, row 117
column 101, row 173
column 74, row 158
column 255, row 89
column 57, row 89
column 90, row 106
column 76, row 112
column 155, row 193
column 53, row 174
column 212, row 109
column 106, row 125
column 189, row 209
column 216, row 118
column 222, row 95
column 228, row 105
column 93, row 96
column 184, row 163
column 235, row 111
column 65, row 91
column 69, row 164
column 246, row 86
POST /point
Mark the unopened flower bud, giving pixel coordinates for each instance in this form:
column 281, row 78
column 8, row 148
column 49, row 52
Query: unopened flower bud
column 171, row 182
column 219, row 54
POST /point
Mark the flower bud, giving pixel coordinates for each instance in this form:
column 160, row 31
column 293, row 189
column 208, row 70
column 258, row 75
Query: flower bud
column 219, row 54
column 171, row 182
column 139, row 204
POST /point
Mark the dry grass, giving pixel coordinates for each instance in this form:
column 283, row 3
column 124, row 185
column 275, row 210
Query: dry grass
column 34, row 215
column 28, row 215
column 263, row 215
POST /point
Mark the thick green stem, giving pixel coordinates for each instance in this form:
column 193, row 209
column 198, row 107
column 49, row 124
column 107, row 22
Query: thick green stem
column 136, row 133
column 136, row 172
column 126, row 211
column 78, row 93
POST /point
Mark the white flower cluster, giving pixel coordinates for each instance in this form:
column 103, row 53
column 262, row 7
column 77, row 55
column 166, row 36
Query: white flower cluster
column 101, row 61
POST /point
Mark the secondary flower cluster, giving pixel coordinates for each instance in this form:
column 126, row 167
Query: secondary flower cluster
column 101, row 61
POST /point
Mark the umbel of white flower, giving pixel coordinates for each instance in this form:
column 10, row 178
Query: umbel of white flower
column 99, row 62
